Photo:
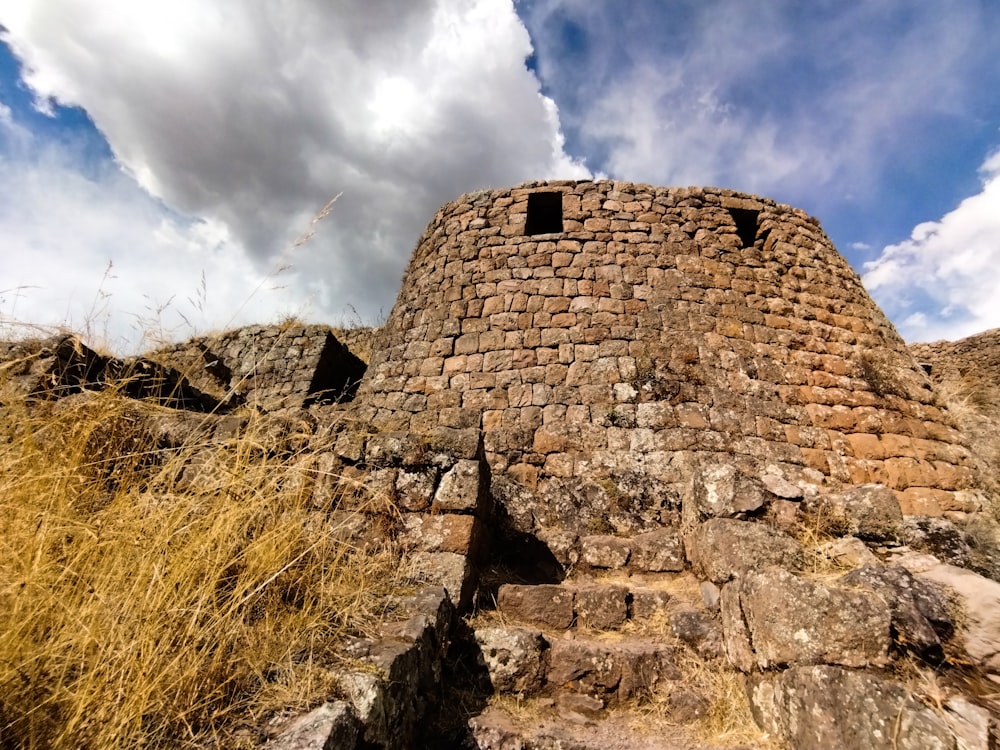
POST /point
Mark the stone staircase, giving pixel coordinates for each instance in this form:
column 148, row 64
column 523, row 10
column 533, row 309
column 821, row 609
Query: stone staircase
column 601, row 660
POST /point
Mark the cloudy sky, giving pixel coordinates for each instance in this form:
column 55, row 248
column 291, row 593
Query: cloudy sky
column 160, row 161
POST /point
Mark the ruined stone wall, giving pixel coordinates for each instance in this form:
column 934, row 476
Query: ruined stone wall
column 596, row 328
column 976, row 358
column 272, row 366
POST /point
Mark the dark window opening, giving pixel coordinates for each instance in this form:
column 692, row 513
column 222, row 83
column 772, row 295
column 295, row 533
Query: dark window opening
column 544, row 213
column 746, row 225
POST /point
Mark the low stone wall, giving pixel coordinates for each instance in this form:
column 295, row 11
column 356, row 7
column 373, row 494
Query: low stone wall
column 270, row 366
column 976, row 357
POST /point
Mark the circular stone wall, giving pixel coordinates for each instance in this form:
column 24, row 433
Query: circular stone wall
column 602, row 328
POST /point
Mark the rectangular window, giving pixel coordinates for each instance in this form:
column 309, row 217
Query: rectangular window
column 746, row 225
column 544, row 213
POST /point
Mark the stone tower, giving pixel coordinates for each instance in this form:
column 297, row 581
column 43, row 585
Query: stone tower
column 610, row 332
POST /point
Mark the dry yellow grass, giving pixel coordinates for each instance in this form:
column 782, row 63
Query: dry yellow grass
column 133, row 612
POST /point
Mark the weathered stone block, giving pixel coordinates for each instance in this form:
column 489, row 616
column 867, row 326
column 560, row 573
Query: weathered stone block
column 722, row 491
column 919, row 612
column 979, row 631
column 831, row 707
column 415, row 489
column 938, row 536
column 448, row 569
column 548, row 605
column 698, row 630
column 647, row 602
column 617, row 671
column 601, row 606
column 792, row 620
column 461, row 489
column 869, row 511
column 514, row 658
column 724, row 548
column 604, row 551
column 658, row 551
column 450, row 532
column 331, row 725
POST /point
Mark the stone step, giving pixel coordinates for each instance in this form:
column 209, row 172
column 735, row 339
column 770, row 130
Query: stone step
column 567, row 726
column 602, row 605
column 526, row 662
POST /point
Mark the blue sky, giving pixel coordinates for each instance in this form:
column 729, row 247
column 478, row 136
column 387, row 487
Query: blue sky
column 159, row 160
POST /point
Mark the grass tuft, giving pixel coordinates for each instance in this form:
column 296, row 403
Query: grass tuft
column 137, row 609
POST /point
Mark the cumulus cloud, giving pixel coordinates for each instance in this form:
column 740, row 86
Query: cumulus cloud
column 78, row 250
column 941, row 283
column 251, row 118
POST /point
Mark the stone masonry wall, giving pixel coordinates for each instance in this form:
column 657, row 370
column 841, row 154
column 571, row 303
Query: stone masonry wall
column 272, row 366
column 613, row 326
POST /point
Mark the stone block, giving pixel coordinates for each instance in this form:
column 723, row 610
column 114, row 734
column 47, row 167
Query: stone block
column 657, row 551
column 448, row 569
column 513, row 657
column 547, row 605
column 848, row 551
column 724, row 548
column 832, row 707
column 792, row 620
column 415, row 489
column 615, row 671
column 461, row 489
column 979, row 631
column 868, row 511
column 722, row 491
column 604, row 551
column 602, row 607
column 938, row 536
column 331, row 725
column 698, row 630
column 919, row 612
column 449, row 532
column 647, row 602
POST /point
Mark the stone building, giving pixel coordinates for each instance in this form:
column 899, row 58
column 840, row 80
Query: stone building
column 606, row 330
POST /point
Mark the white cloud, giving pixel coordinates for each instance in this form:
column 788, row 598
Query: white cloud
column 251, row 118
column 943, row 281
column 172, row 276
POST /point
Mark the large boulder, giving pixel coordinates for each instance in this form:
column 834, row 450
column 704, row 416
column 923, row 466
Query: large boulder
column 919, row 612
column 979, row 597
column 773, row 618
column 830, row 707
